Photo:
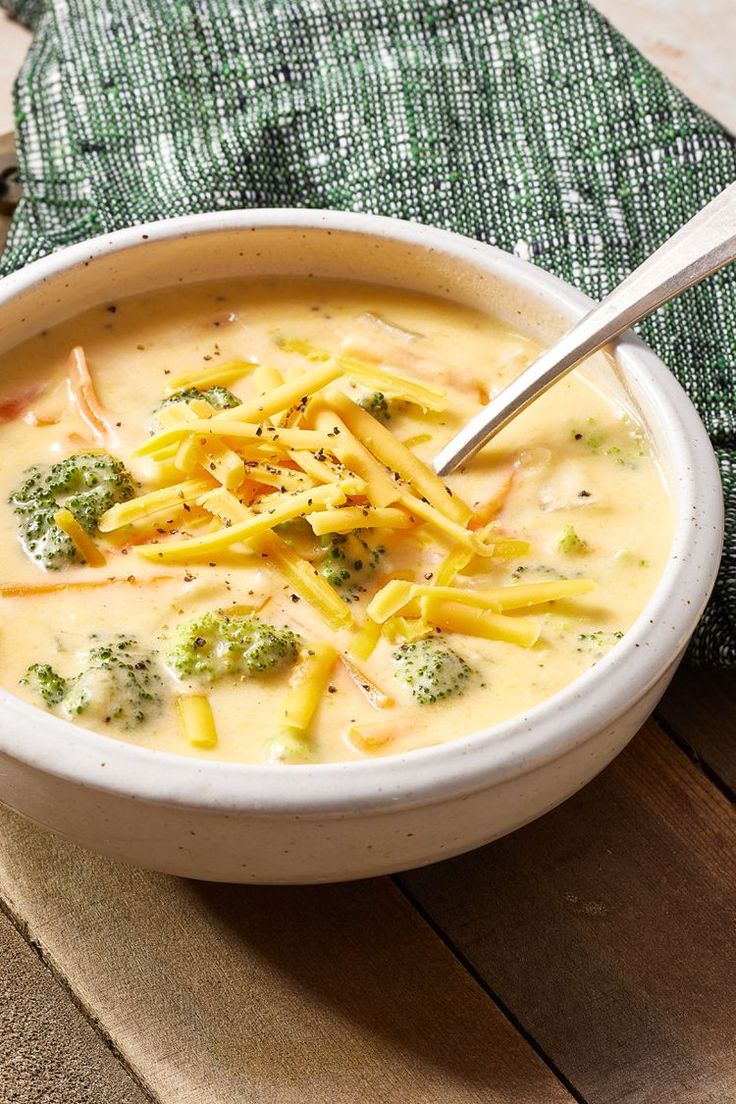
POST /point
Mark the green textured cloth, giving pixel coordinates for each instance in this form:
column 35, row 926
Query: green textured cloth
column 530, row 124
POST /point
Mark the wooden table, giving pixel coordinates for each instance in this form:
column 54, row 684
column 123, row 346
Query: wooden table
column 588, row 957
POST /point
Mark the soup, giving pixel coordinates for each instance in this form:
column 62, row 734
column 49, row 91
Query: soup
column 224, row 538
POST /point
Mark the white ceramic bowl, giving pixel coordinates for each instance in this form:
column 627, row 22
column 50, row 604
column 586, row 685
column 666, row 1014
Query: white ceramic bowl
column 316, row 823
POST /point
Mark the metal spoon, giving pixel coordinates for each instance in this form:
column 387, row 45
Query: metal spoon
column 702, row 246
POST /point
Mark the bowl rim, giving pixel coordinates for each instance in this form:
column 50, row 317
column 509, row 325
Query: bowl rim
column 462, row 765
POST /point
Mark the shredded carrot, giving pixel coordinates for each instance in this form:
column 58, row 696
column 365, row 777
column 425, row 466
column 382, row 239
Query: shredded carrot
column 84, row 397
column 486, row 512
column 10, row 409
column 373, row 694
column 29, row 590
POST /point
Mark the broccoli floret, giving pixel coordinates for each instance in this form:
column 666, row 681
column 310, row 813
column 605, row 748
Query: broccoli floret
column 349, row 562
column 377, row 405
column 570, row 543
column 42, row 678
column 214, row 645
column 219, row 397
column 118, row 684
column 431, row 670
column 87, row 484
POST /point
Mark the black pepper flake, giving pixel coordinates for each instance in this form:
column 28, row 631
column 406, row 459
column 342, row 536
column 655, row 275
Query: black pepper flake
column 331, row 689
column 295, row 598
column 112, row 308
column 200, row 642
column 259, row 431
column 583, row 494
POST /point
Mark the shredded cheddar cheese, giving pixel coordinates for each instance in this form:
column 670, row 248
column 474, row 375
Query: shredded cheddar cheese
column 346, row 519
column 308, row 684
column 81, row 540
column 459, row 617
column 396, row 595
column 364, row 640
column 282, row 508
column 216, row 376
column 125, row 513
column 197, row 721
column 373, row 377
column 381, row 489
column 294, row 391
column 397, row 458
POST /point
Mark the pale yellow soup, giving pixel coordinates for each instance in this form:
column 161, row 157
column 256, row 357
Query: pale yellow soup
column 574, row 478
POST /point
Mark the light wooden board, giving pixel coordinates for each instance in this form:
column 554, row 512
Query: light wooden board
column 609, row 928
column 226, row 995
column 700, row 709
column 49, row 1053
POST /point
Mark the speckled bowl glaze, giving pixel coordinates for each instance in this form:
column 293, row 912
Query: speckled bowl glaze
column 328, row 822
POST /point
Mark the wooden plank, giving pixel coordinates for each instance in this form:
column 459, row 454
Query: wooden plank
column 49, row 1053
column 216, row 994
column 608, row 929
column 700, row 709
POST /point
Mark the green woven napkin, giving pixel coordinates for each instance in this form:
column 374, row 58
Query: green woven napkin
column 531, row 124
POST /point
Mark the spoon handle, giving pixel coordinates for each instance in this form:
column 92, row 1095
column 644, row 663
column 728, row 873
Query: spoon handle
column 703, row 245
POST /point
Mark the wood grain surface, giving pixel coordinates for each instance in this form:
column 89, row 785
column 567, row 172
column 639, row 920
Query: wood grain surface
column 222, row 995
column 607, row 928
column 699, row 709
column 49, row 1053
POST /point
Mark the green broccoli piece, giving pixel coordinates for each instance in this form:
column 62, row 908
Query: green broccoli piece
column 349, row 562
column 118, row 684
column 42, row 678
column 570, row 543
column 214, row 645
column 377, row 404
column 431, row 670
column 87, row 484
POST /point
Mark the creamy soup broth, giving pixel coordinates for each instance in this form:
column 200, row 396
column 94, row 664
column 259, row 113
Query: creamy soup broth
column 574, row 478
